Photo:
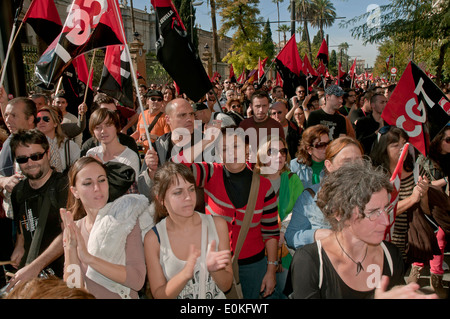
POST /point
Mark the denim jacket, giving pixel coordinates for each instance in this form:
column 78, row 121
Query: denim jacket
column 304, row 172
column 306, row 219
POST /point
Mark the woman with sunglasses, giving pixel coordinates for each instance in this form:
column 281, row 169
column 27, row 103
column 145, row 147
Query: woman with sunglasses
column 235, row 110
column 413, row 233
column 307, row 223
column 63, row 151
column 272, row 161
column 309, row 163
column 353, row 262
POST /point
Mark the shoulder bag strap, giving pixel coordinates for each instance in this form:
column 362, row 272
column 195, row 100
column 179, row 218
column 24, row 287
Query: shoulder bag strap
column 153, row 123
column 247, row 217
column 35, row 246
column 319, row 250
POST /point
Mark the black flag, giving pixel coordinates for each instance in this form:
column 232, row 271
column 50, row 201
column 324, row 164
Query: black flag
column 175, row 52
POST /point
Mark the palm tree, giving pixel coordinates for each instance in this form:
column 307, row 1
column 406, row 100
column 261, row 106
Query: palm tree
column 303, row 12
column 344, row 47
column 284, row 28
column 278, row 11
column 324, row 14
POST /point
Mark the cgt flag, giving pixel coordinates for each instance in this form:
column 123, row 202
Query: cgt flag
column 90, row 24
column 289, row 66
column 175, row 52
column 116, row 78
column 418, row 106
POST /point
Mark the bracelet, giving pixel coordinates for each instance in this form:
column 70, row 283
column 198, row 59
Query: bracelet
column 275, row 263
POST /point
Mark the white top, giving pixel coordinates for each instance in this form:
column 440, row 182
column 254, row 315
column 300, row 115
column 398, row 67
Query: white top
column 171, row 265
column 127, row 157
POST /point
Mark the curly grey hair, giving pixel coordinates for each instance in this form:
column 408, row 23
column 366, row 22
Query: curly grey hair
column 350, row 187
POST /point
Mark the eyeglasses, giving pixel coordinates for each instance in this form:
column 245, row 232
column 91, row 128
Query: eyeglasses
column 235, row 106
column 44, row 118
column 34, row 157
column 156, row 99
column 321, row 145
column 274, row 151
column 302, row 91
column 373, row 215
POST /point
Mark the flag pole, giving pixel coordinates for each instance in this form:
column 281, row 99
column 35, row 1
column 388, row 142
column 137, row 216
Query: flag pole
column 59, row 84
column 91, row 70
column 12, row 40
column 133, row 73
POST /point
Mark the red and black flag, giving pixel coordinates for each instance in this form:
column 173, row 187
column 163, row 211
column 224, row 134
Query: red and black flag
column 289, row 66
column 343, row 78
column 89, row 25
column 116, row 78
column 176, row 54
column 43, row 17
column 232, row 75
column 418, row 106
column 322, row 55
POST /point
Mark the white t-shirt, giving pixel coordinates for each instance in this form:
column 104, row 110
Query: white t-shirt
column 127, row 157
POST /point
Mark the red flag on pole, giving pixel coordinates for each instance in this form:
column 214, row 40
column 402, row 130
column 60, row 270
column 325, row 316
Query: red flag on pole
column 322, row 55
column 352, row 69
column 261, row 66
column 43, row 17
column 88, row 26
column 307, row 67
column 395, row 181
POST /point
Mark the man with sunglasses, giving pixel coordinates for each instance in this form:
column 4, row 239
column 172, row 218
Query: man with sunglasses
column 155, row 120
column 36, row 201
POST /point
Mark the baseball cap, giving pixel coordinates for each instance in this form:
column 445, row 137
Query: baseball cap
column 334, row 90
column 199, row 106
column 151, row 93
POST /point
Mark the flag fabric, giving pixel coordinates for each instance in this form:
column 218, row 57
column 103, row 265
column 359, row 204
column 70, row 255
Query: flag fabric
column 87, row 27
column 394, row 195
column 261, row 66
column 116, row 78
column 82, row 70
column 388, row 61
column 241, row 79
column 278, row 80
column 321, row 68
column 176, row 54
column 418, row 106
column 352, row 70
column 232, row 76
column 322, row 54
column 343, row 78
column 307, row 68
column 43, row 17
column 289, row 65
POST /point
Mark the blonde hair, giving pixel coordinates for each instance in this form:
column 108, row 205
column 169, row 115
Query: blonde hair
column 60, row 136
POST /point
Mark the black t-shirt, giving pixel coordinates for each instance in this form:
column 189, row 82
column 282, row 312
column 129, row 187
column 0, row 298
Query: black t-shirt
column 335, row 122
column 304, row 274
column 26, row 202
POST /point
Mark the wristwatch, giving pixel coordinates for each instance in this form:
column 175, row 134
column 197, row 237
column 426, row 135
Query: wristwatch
column 275, row 263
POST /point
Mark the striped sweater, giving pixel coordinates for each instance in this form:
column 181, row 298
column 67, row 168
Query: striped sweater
column 264, row 225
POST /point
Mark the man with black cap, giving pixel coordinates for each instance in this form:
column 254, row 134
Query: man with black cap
column 203, row 113
column 327, row 115
column 155, row 120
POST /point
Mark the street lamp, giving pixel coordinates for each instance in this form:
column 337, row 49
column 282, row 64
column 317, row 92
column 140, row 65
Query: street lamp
column 194, row 4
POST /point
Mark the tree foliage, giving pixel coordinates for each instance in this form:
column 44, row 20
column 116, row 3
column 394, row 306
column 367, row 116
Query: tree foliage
column 241, row 17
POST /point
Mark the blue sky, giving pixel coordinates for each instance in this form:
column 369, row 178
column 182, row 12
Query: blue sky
column 268, row 10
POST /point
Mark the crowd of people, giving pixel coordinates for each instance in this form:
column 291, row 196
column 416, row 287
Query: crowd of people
column 281, row 197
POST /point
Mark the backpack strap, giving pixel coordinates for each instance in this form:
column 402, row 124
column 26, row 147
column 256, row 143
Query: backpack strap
column 311, row 191
column 153, row 123
column 388, row 257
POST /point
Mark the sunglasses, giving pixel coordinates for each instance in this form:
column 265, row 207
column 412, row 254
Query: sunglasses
column 34, row 157
column 274, row 151
column 321, row 145
column 235, row 106
column 447, row 140
column 44, row 118
column 275, row 113
column 156, row 99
